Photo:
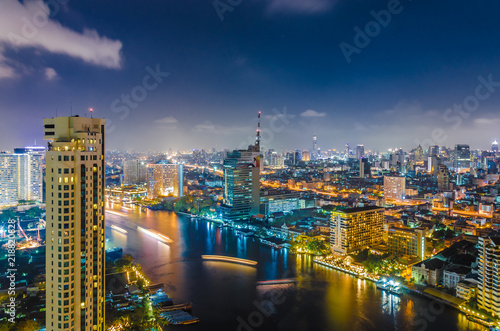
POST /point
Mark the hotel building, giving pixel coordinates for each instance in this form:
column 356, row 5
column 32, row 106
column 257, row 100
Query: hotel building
column 356, row 228
column 488, row 289
column 75, row 223
column 405, row 242
column 21, row 176
column 165, row 179
column 394, row 187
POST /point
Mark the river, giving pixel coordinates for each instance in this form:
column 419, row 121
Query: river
column 225, row 296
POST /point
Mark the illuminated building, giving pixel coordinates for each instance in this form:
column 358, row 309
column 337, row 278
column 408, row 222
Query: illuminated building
column 241, row 185
column 356, row 228
column 488, row 289
column 406, row 242
column 394, row 187
column 165, row 179
column 314, row 152
column 306, row 156
column 364, row 168
column 433, row 150
column 494, row 147
column 285, row 202
column 360, row 151
column 134, row 172
column 75, row 223
column 241, row 182
column 21, row 176
column 443, row 178
column 462, row 157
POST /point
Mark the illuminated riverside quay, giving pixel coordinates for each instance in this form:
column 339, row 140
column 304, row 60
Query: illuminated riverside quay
column 321, row 298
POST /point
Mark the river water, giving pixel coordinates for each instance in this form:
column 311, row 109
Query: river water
column 226, row 297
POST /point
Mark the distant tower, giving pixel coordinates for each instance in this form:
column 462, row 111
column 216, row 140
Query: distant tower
column 494, row 147
column 360, row 151
column 347, row 150
column 315, row 147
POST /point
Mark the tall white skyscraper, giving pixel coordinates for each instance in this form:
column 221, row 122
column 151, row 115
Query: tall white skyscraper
column 21, row 176
column 75, row 255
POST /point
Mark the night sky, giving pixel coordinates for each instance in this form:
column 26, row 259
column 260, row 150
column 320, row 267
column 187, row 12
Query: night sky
column 211, row 76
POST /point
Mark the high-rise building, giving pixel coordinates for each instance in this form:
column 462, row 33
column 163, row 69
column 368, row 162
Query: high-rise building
column 364, row 168
column 462, row 156
column 360, row 151
column 443, row 178
column 165, row 179
column 394, row 187
column 419, row 155
column 21, row 176
column 356, row 228
column 406, row 242
column 241, row 185
column 314, row 153
column 347, row 150
column 434, row 150
column 241, row 182
column 75, row 258
column 306, row 156
column 488, row 289
column 433, row 165
column 135, row 172
column 494, row 147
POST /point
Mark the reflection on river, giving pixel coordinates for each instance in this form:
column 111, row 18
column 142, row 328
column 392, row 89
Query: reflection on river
column 225, row 295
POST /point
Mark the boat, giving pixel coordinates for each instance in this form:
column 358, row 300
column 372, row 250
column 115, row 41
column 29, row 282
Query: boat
column 117, row 228
column 277, row 281
column 182, row 306
column 228, row 259
column 155, row 234
column 179, row 317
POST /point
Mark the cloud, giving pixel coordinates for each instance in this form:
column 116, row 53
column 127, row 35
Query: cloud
column 30, row 25
column 205, row 127
column 50, row 73
column 166, row 120
column 312, row 113
column 481, row 121
column 300, row 6
column 5, row 70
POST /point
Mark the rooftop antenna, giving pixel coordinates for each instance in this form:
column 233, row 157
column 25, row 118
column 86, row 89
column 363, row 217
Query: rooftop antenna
column 257, row 139
column 91, row 110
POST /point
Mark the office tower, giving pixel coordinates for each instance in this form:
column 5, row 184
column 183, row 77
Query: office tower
column 406, row 242
column 494, row 147
column 306, row 156
column 241, row 185
column 21, row 176
column 241, row 182
column 419, row 155
column 314, row 153
column 296, row 157
column 356, row 228
column 488, row 289
column 394, row 187
column 135, row 172
column 462, row 157
column 360, row 151
column 347, row 150
column 433, row 164
column 364, row 168
column 75, row 223
column 443, row 178
column 434, row 150
column 165, row 179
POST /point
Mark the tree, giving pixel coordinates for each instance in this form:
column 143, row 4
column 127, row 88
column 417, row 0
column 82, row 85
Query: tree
column 27, row 325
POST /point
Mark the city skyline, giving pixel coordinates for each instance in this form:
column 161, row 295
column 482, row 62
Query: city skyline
column 206, row 71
